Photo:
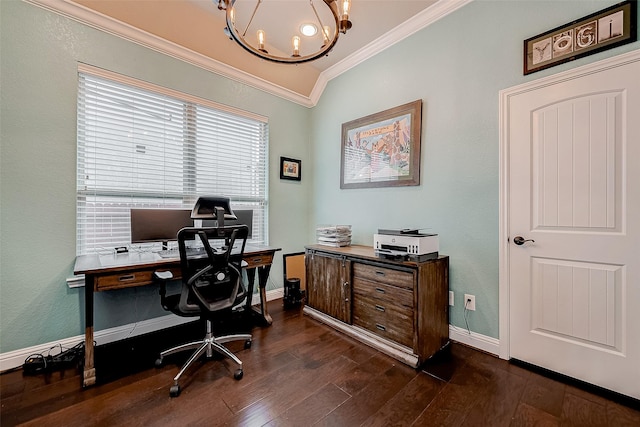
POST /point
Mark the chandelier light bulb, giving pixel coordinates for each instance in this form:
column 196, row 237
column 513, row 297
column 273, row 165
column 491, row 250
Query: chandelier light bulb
column 296, row 46
column 346, row 8
column 261, row 38
column 325, row 34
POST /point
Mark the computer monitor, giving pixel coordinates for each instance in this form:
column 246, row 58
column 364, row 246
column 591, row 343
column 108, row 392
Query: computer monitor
column 158, row 225
column 244, row 216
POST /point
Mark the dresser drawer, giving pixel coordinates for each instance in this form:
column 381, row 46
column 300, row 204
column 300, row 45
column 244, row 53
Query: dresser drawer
column 129, row 279
column 389, row 276
column 387, row 294
column 388, row 321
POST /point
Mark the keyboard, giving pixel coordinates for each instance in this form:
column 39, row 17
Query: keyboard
column 191, row 252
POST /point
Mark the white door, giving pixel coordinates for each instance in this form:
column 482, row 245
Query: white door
column 574, row 190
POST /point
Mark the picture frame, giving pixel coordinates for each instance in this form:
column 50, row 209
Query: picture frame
column 608, row 28
column 290, row 169
column 382, row 149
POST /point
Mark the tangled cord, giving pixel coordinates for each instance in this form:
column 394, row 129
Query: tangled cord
column 38, row 363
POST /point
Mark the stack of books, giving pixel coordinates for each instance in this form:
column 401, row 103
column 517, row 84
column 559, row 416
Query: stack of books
column 334, row 235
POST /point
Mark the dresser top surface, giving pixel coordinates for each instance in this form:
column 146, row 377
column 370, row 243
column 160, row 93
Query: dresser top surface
column 366, row 252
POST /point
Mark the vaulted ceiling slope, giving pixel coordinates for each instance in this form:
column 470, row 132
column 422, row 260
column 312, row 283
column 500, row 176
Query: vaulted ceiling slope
column 192, row 31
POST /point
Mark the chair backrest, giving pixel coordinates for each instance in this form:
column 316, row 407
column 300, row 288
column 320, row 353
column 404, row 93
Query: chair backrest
column 212, row 282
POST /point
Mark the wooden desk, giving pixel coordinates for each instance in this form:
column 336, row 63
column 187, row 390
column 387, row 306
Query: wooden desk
column 111, row 272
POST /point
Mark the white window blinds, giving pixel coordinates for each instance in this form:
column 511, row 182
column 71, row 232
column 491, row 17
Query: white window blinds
column 140, row 145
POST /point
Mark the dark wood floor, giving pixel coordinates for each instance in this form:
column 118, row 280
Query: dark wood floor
column 299, row 372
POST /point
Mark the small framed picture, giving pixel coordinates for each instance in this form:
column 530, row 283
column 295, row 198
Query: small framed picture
column 290, row 169
column 605, row 29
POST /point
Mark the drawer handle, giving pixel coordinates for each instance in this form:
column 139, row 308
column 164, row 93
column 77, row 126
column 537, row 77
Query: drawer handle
column 127, row 278
column 256, row 260
column 380, row 290
column 380, row 273
column 379, row 308
column 380, row 327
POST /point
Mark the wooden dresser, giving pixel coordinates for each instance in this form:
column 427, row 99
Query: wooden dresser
column 398, row 307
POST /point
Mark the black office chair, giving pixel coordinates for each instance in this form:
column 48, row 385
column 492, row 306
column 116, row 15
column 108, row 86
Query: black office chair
column 211, row 286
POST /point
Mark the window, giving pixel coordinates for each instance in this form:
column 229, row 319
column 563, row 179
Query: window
column 140, row 145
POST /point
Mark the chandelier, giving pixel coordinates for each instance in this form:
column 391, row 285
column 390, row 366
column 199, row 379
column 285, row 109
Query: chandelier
column 294, row 31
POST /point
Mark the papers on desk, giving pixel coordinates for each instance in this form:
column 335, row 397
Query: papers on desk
column 111, row 260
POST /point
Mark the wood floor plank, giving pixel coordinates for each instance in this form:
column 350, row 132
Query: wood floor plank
column 619, row 415
column 313, row 408
column 499, row 400
column 372, row 397
column 577, row 411
column 403, row 408
column 527, row 415
column 299, row 372
column 364, row 373
column 296, row 388
column 545, row 394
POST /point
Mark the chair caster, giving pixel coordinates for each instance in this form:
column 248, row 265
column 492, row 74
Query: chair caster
column 238, row 374
column 247, row 344
column 158, row 362
column 174, row 391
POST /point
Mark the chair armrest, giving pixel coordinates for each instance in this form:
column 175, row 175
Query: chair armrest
column 162, row 276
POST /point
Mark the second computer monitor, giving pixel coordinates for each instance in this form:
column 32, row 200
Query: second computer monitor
column 245, row 216
column 158, row 225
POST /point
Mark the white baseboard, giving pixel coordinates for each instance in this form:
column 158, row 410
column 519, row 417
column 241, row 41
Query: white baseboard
column 475, row 340
column 16, row 358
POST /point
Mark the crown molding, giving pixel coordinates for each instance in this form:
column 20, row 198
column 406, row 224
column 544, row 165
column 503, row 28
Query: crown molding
column 421, row 20
column 416, row 23
column 128, row 32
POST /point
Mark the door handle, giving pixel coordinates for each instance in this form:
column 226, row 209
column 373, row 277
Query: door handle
column 519, row 240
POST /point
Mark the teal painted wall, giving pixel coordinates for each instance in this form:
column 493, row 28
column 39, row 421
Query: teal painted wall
column 40, row 52
column 456, row 66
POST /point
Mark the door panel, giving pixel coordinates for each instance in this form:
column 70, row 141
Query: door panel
column 574, row 168
column 328, row 285
column 578, row 302
column 577, row 162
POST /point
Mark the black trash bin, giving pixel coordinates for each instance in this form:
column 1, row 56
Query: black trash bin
column 292, row 294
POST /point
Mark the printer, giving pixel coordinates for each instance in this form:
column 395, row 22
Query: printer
column 405, row 244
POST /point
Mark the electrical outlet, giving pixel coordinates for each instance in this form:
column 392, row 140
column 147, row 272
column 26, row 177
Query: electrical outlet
column 451, row 299
column 470, row 302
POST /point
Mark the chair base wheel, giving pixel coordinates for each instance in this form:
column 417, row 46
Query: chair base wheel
column 238, row 374
column 174, row 391
column 247, row 344
column 158, row 363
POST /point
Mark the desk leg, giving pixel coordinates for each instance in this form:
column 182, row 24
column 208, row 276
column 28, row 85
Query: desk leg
column 263, row 275
column 89, row 374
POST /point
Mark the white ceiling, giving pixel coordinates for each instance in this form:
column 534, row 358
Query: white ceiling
column 192, row 30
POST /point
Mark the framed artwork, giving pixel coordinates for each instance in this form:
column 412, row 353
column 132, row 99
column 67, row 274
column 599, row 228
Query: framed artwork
column 382, row 149
column 606, row 29
column 290, row 169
